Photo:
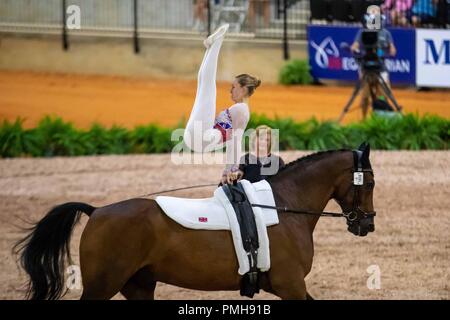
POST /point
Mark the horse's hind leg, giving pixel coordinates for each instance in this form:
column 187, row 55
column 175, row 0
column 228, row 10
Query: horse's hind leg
column 106, row 264
column 102, row 285
column 140, row 286
column 99, row 290
column 135, row 291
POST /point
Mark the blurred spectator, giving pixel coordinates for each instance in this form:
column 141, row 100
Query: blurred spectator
column 200, row 15
column 399, row 11
column 254, row 6
column 423, row 12
column 385, row 48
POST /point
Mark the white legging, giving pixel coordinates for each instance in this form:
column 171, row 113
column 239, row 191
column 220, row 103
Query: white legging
column 199, row 134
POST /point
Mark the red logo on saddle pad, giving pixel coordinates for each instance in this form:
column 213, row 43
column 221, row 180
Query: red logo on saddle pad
column 202, row 219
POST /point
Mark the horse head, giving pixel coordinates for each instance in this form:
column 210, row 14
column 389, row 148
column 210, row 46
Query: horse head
column 354, row 194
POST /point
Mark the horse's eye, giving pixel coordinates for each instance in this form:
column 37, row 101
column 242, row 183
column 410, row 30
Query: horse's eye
column 370, row 185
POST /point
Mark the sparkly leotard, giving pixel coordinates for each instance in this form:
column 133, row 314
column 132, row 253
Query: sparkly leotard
column 224, row 124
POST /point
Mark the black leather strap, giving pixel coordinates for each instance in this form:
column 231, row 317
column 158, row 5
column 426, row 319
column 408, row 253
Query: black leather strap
column 244, row 214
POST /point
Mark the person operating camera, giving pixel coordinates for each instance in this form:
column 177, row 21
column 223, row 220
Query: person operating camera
column 385, row 46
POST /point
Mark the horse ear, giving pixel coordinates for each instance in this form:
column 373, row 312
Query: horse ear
column 366, row 151
column 362, row 146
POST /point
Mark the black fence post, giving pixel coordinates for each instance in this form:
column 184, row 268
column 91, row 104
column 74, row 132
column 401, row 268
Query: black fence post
column 137, row 47
column 65, row 40
column 278, row 9
column 208, row 8
column 285, row 32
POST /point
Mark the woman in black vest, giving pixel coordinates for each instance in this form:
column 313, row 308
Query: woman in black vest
column 261, row 162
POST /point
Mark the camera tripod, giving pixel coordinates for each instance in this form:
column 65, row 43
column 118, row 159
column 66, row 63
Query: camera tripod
column 374, row 80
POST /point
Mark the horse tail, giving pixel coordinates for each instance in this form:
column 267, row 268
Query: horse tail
column 44, row 250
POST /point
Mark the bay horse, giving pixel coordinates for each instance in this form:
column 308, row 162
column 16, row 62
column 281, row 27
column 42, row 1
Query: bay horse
column 130, row 245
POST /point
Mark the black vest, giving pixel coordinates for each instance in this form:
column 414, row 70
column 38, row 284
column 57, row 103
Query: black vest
column 251, row 166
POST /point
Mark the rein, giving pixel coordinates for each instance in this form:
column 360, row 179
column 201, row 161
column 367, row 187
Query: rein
column 284, row 209
column 351, row 215
column 313, row 213
column 347, row 215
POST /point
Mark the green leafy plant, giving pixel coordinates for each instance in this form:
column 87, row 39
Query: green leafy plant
column 55, row 137
column 295, row 72
column 12, row 139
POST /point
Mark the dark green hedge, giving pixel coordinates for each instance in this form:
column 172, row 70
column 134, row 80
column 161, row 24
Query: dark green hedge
column 55, row 137
column 409, row 132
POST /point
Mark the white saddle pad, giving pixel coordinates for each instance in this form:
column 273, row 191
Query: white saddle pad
column 217, row 213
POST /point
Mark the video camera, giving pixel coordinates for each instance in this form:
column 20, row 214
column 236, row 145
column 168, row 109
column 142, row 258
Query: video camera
column 370, row 61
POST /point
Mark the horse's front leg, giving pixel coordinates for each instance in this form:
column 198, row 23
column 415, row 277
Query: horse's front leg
column 290, row 287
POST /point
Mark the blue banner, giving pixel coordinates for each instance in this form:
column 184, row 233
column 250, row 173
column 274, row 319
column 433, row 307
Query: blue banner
column 330, row 57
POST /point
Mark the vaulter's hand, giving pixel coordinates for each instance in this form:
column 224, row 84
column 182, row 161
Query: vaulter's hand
column 234, row 176
column 224, row 179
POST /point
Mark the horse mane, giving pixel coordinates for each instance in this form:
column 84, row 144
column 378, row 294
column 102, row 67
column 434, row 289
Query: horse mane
column 310, row 158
